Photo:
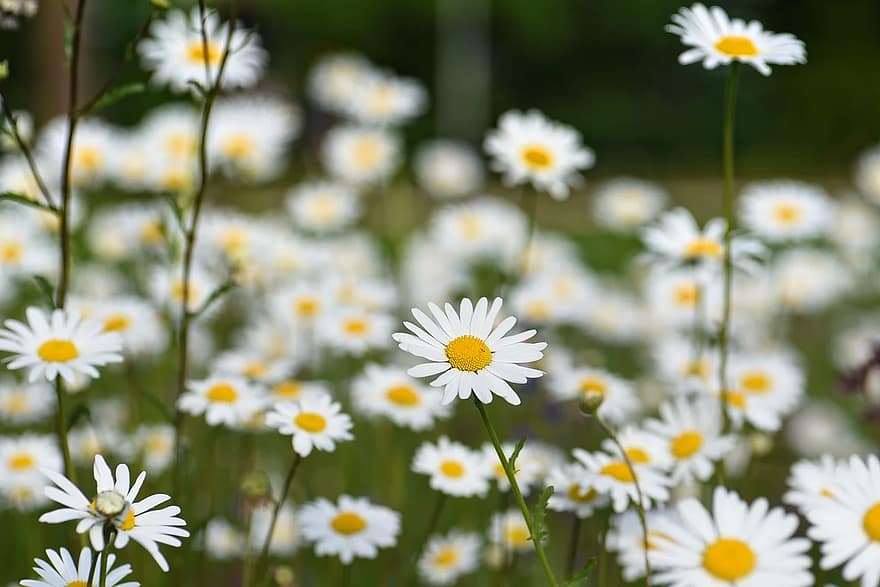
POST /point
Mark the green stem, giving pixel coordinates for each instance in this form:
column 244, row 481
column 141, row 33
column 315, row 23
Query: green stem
column 264, row 553
column 573, row 545
column 517, row 494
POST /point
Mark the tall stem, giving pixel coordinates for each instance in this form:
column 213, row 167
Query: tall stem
column 573, row 540
column 728, row 205
column 264, row 553
column 517, row 494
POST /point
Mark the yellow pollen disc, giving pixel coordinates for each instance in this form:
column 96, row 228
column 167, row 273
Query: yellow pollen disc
column 471, row 227
column 703, row 247
column 180, row 144
column 21, row 462
column 538, row 309
column 403, row 395
column 234, row 240
column 11, row 252
column 638, row 455
column 174, row 181
column 287, row 389
column 128, row 522
column 324, row 208
column 348, row 523
column 687, row 295
column 618, row 470
column 152, row 232
column 87, row 158
column 735, row 399
column 177, row 291
column 686, row 444
column 452, row 469
column 788, row 213
column 516, row 535
column 729, row 559
column 446, row 557
column 366, row 153
column 116, row 323
column 306, row 307
column 653, row 537
column 826, row 493
column 222, row 393
column 76, row 584
column 577, row 493
column 156, row 443
column 195, row 53
column 756, row 382
column 592, row 385
column 537, row 157
column 871, row 522
column 57, row 350
column 255, row 369
column 468, row 353
column 310, row 422
column 17, row 403
column 697, row 369
column 500, row 472
column 238, row 146
column 356, row 326
column 734, row 46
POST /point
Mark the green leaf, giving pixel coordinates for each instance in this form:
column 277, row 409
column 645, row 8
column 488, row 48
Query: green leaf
column 178, row 213
column 582, row 575
column 24, row 201
column 539, row 515
column 515, row 455
column 46, row 289
column 116, row 94
column 215, row 295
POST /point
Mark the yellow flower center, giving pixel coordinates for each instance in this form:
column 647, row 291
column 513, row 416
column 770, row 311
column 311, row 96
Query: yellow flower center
column 306, row 307
column 537, row 157
column 366, row 153
column 703, row 247
column 356, row 326
column 255, row 369
column 452, row 469
column 638, row 455
column 734, row 46
column 195, row 53
column 697, row 369
column 729, row 559
column 577, row 493
column 128, row 522
column 174, row 181
column 618, row 470
column 58, row 350
column 11, row 252
column 735, row 399
column 177, row 292
column 403, row 395
column 446, row 557
column 20, row 462
column 288, row 389
column 234, row 240
column 593, row 385
column 824, row 492
column 687, row 294
column 686, row 444
column 222, row 393
column 471, row 227
column 324, row 208
column 238, row 146
column 17, row 403
column 871, row 522
column 756, row 382
column 516, row 535
column 468, row 353
column 538, row 309
column 156, row 443
column 310, row 422
column 787, row 213
column 76, row 584
column 116, row 323
column 87, row 158
column 348, row 523
column 180, row 144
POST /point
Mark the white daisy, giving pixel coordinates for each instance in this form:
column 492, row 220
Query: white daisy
column 643, row 447
column 626, row 204
column 786, row 210
column 253, row 365
column 716, row 39
column 314, row 421
column 22, row 404
column 380, row 98
column 867, row 174
column 285, row 537
column 482, row 230
column 155, row 444
column 222, row 540
column 807, row 280
column 25, row 249
column 354, row 331
column 351, row 528
column 334, row 79
column 469, row 353
column 114, row 503
column 809, row 482
column 454, row 468
column 360, row 155
column 322, row 207
column 509, row 530
column 390, row 392
column 59, row 344
column 626, row 537
column 573, row 492
column 611, row 476
column 528, row 147
column 62, row 571
column 764, row 388
column 448, row 169
column 142, row 329
column 223, row 400
column 446, row 558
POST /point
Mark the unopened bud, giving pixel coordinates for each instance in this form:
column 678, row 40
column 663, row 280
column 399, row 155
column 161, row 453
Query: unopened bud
column 284, row 576
column 256, row 488
column 109, row 504
column 760, row 443
column 4, row 70
column 591, row 401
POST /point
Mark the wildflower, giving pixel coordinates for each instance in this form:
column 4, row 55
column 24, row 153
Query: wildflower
column 352, row 527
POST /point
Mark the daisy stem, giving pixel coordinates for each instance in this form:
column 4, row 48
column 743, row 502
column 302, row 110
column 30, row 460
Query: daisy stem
column 514, row 486
column 61, row 429
column 639, row 503
column 573, row 541
column 26, row 152
column 262, row 562
column 107, row 559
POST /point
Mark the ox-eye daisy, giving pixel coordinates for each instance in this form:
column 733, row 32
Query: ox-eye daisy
column 390, row 392
column 323, row 207
column 114, row 503
column 573, row 492
column 62, row 571
column 509, row 530
column 352, row 528
column 223, row 400
column 735, row 545
column 809, row 482
column 454, row 468
column 529, row 148
column 447, row 558
column 612, row 476
column 786, row 210
column 59, row 344
column 626, row 204
column 468, row 354
column 764, row 388
column 315, row 421
column 716, row 39
column 448, row 169
column 361, row 155
column 22, row 404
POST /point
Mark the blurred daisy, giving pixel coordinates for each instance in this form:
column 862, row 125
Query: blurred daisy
column 528, row 147
column 142, row 330
column 166, row 287
column 27, row 456
column 155, row 444
column 87, row 441
column 384, row 99
column 223, row 541
column 627, row 538
column 509, row 530
column 90, row 153
column 22, row 404
column 222, row 400
column 360, row 155
column 176, row 52
column 679, row 297
column 780, row 211
column 448, row 169
column 611, row 476
column 446, row 558
column 121, row 232
column 681, row 368
column 59, row 343
column 808, row 280
column 290, row 390
column 469, row 353
column 454, row 468
column 867, row 174
column 626, row 204
column 252, row 365
column 764, row 388
column 25, row 250
column 641, row 446
column 285, row 537
column 62, row 571
column 529, row 470
column 355, row 331
column 734, row 544
column 619, row 402
column 716, row 39
column 314, row 421
column 323, row 207
column 809, row 482
column 573, row 492
column 485, row 229
column 351, row 528
column 334, row 79
column 390, row 392
column 114, row 503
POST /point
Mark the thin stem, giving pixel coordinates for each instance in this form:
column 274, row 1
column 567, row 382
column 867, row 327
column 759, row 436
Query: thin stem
column 639, row 503
column 61, row 430
column 429, row 529
column 264, row 553
column 26, row 152
column 107, row 560
column 573, row 540
column 514, row 486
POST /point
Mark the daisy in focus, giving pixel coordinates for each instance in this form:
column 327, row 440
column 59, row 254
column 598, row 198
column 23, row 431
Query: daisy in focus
column 469, row 353
column 530, row 148
column 314, row 421
column 352, row 527
column 59, row 344
column 61, row 570
column 716, row 39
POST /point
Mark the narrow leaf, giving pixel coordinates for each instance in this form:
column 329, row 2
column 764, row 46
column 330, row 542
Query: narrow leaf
column 515, row 455
column 539, row 515
column 24, row 201
column 215, row 295
column 178, row 213
column 116, row 94
column 582, row 575
column 46, row 289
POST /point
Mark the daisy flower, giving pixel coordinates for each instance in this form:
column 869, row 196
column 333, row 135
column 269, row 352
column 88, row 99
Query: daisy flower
column 764, row 388
column 384, row 99
column 610, row 475
column 335, row 78
column 627, row 538
column 175, row 52
column 115, row 503
column 223, row 541
column 360, row 155
column 867, row 174
column 847, row 525
column 122, row 232
column 354, row 331
column 626, row 204
column 779, row 211
column 59, row 344
column 485, row 229
column 446, row 558
column 808, row 280
column 641, row 446
column 454, row 468
column 22, row 404
column 323, row 207
column 733, row 545
column 141, row 327
column 529, row 469
column 390, row 392
column 509, row 530
column 223, row 400
column 285, row 537
column 468, row 353
column 573, row 492
column 90, row 155
column 27, row 456
column 716, row 39
column 809, row 482
column 315, row 421
column 24, row 249
column 619, row 401
column 529, row 148
column 155, row 444
column 61, row 570
column 448, row 169
column 351, row 528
